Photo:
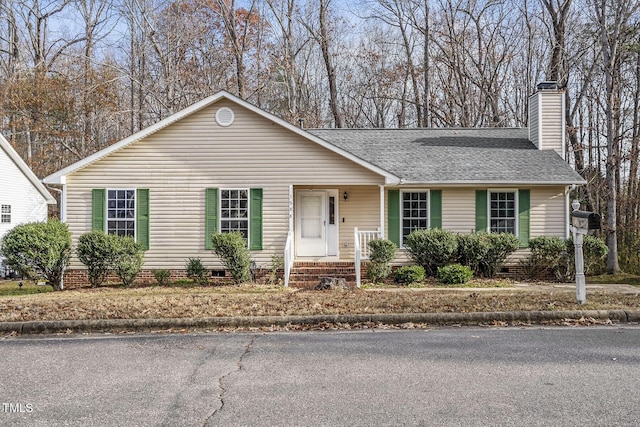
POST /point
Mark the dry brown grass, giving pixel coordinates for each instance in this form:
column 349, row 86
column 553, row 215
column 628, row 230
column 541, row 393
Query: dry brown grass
column 197, row 302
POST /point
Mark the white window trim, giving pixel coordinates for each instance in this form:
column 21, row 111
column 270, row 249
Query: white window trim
column 515, row 207
column 135, row 209
column 413, row 190
column 248, row 190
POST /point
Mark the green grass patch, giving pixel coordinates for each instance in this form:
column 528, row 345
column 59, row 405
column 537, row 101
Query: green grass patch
column 617, row 279
column 28, row 287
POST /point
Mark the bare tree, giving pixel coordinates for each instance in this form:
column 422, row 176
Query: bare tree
column 612, row 18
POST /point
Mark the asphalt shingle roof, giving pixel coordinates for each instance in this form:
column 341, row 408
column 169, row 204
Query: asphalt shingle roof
column 454, row 156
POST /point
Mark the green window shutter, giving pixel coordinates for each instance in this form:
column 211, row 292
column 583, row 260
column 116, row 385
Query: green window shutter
column 481, row 211
column 524, row 206
column 255, row 219
column 97, row 209
column 142, row 217
column 435, row 208
column 393, row 223
column 211, row 216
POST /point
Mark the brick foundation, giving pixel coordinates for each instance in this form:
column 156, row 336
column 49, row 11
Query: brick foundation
column 78, row 278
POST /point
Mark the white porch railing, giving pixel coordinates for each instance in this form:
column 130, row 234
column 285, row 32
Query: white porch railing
column 288, row 257
column 361, row 246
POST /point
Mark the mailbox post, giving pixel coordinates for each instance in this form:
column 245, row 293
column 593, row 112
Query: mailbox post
column 581, row 223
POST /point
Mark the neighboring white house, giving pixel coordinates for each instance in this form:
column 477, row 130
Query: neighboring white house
column 23, row 198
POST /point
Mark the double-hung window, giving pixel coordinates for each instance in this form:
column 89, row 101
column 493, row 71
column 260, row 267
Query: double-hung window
column 415, row 212
column 121, row 212
column 234, row 211
column 5, row 214
column 229, row 209
column 502, row 212
column 124, row 212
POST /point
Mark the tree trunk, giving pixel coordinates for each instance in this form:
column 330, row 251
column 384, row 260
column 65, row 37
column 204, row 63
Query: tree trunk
column 323, row 40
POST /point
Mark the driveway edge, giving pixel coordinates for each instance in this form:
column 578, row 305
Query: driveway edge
column 104, row 325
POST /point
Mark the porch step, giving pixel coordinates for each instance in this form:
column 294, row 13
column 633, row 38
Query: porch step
column 307, row 274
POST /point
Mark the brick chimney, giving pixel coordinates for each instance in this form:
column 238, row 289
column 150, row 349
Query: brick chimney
column 546, row 118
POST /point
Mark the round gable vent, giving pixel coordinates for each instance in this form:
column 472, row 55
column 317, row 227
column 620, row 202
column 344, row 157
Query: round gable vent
column 225, row 116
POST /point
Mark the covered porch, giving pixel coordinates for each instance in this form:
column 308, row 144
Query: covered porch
column 329, row 230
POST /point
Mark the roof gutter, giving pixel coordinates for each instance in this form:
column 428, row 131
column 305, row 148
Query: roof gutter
column 488, row 183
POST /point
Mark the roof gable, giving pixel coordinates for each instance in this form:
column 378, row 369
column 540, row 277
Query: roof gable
column 26, row 171
column 60, row 176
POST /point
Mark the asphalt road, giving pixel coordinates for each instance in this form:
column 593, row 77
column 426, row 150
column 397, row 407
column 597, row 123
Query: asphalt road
column 458, row 377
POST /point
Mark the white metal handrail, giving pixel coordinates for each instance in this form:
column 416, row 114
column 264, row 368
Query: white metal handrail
column 361, row 246
column 288, row 257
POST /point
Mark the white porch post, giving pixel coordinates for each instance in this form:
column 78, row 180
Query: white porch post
column 288, row 247
column 382, row 211
column 291, row 208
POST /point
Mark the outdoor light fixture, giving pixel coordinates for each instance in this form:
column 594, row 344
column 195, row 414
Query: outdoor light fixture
column 345, row 196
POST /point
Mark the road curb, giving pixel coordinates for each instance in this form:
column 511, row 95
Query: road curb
column 103, row 325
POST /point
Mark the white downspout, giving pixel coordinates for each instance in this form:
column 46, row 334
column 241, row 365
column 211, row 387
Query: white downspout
column 63, row 204
column 382, row 235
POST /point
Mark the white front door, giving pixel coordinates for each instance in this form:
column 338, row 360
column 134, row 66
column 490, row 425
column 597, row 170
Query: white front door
column 311, row 223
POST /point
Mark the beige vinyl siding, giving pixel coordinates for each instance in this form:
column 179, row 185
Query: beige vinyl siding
column 552, row 128
column 459, row 210
column 547, row 214
column 177, row 163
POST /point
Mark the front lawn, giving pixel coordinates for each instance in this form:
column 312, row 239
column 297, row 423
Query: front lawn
column 261, row 300
column 622, row 279
column 8, row 288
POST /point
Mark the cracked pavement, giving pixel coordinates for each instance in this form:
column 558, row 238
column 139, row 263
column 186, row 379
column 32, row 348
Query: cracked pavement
column 439, row 376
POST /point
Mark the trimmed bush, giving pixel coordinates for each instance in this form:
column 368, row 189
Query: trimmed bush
column 232, row 250
column 97, row 250
column 409, row 274
column 454, row 274
column 472, row 249
column 38, row 249
column 381, row 253
column 595, row 252
column 197, row 272
column 128, row 259
column 548, row 253
column 162, row 277
column 499, row 246
column 431, row 248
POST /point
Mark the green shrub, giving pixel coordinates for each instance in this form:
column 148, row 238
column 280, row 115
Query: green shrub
column 594, row 251
column 38, row 249
column 232, row 250
column 548, row 253
column 197, row 272
column 499, row 246
column 454, row 274
column 381, row 253
column 431, row 248
column 409, row 274
column 472, row 249
column 128, row 259
column 162, row 277
column 97, row 251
